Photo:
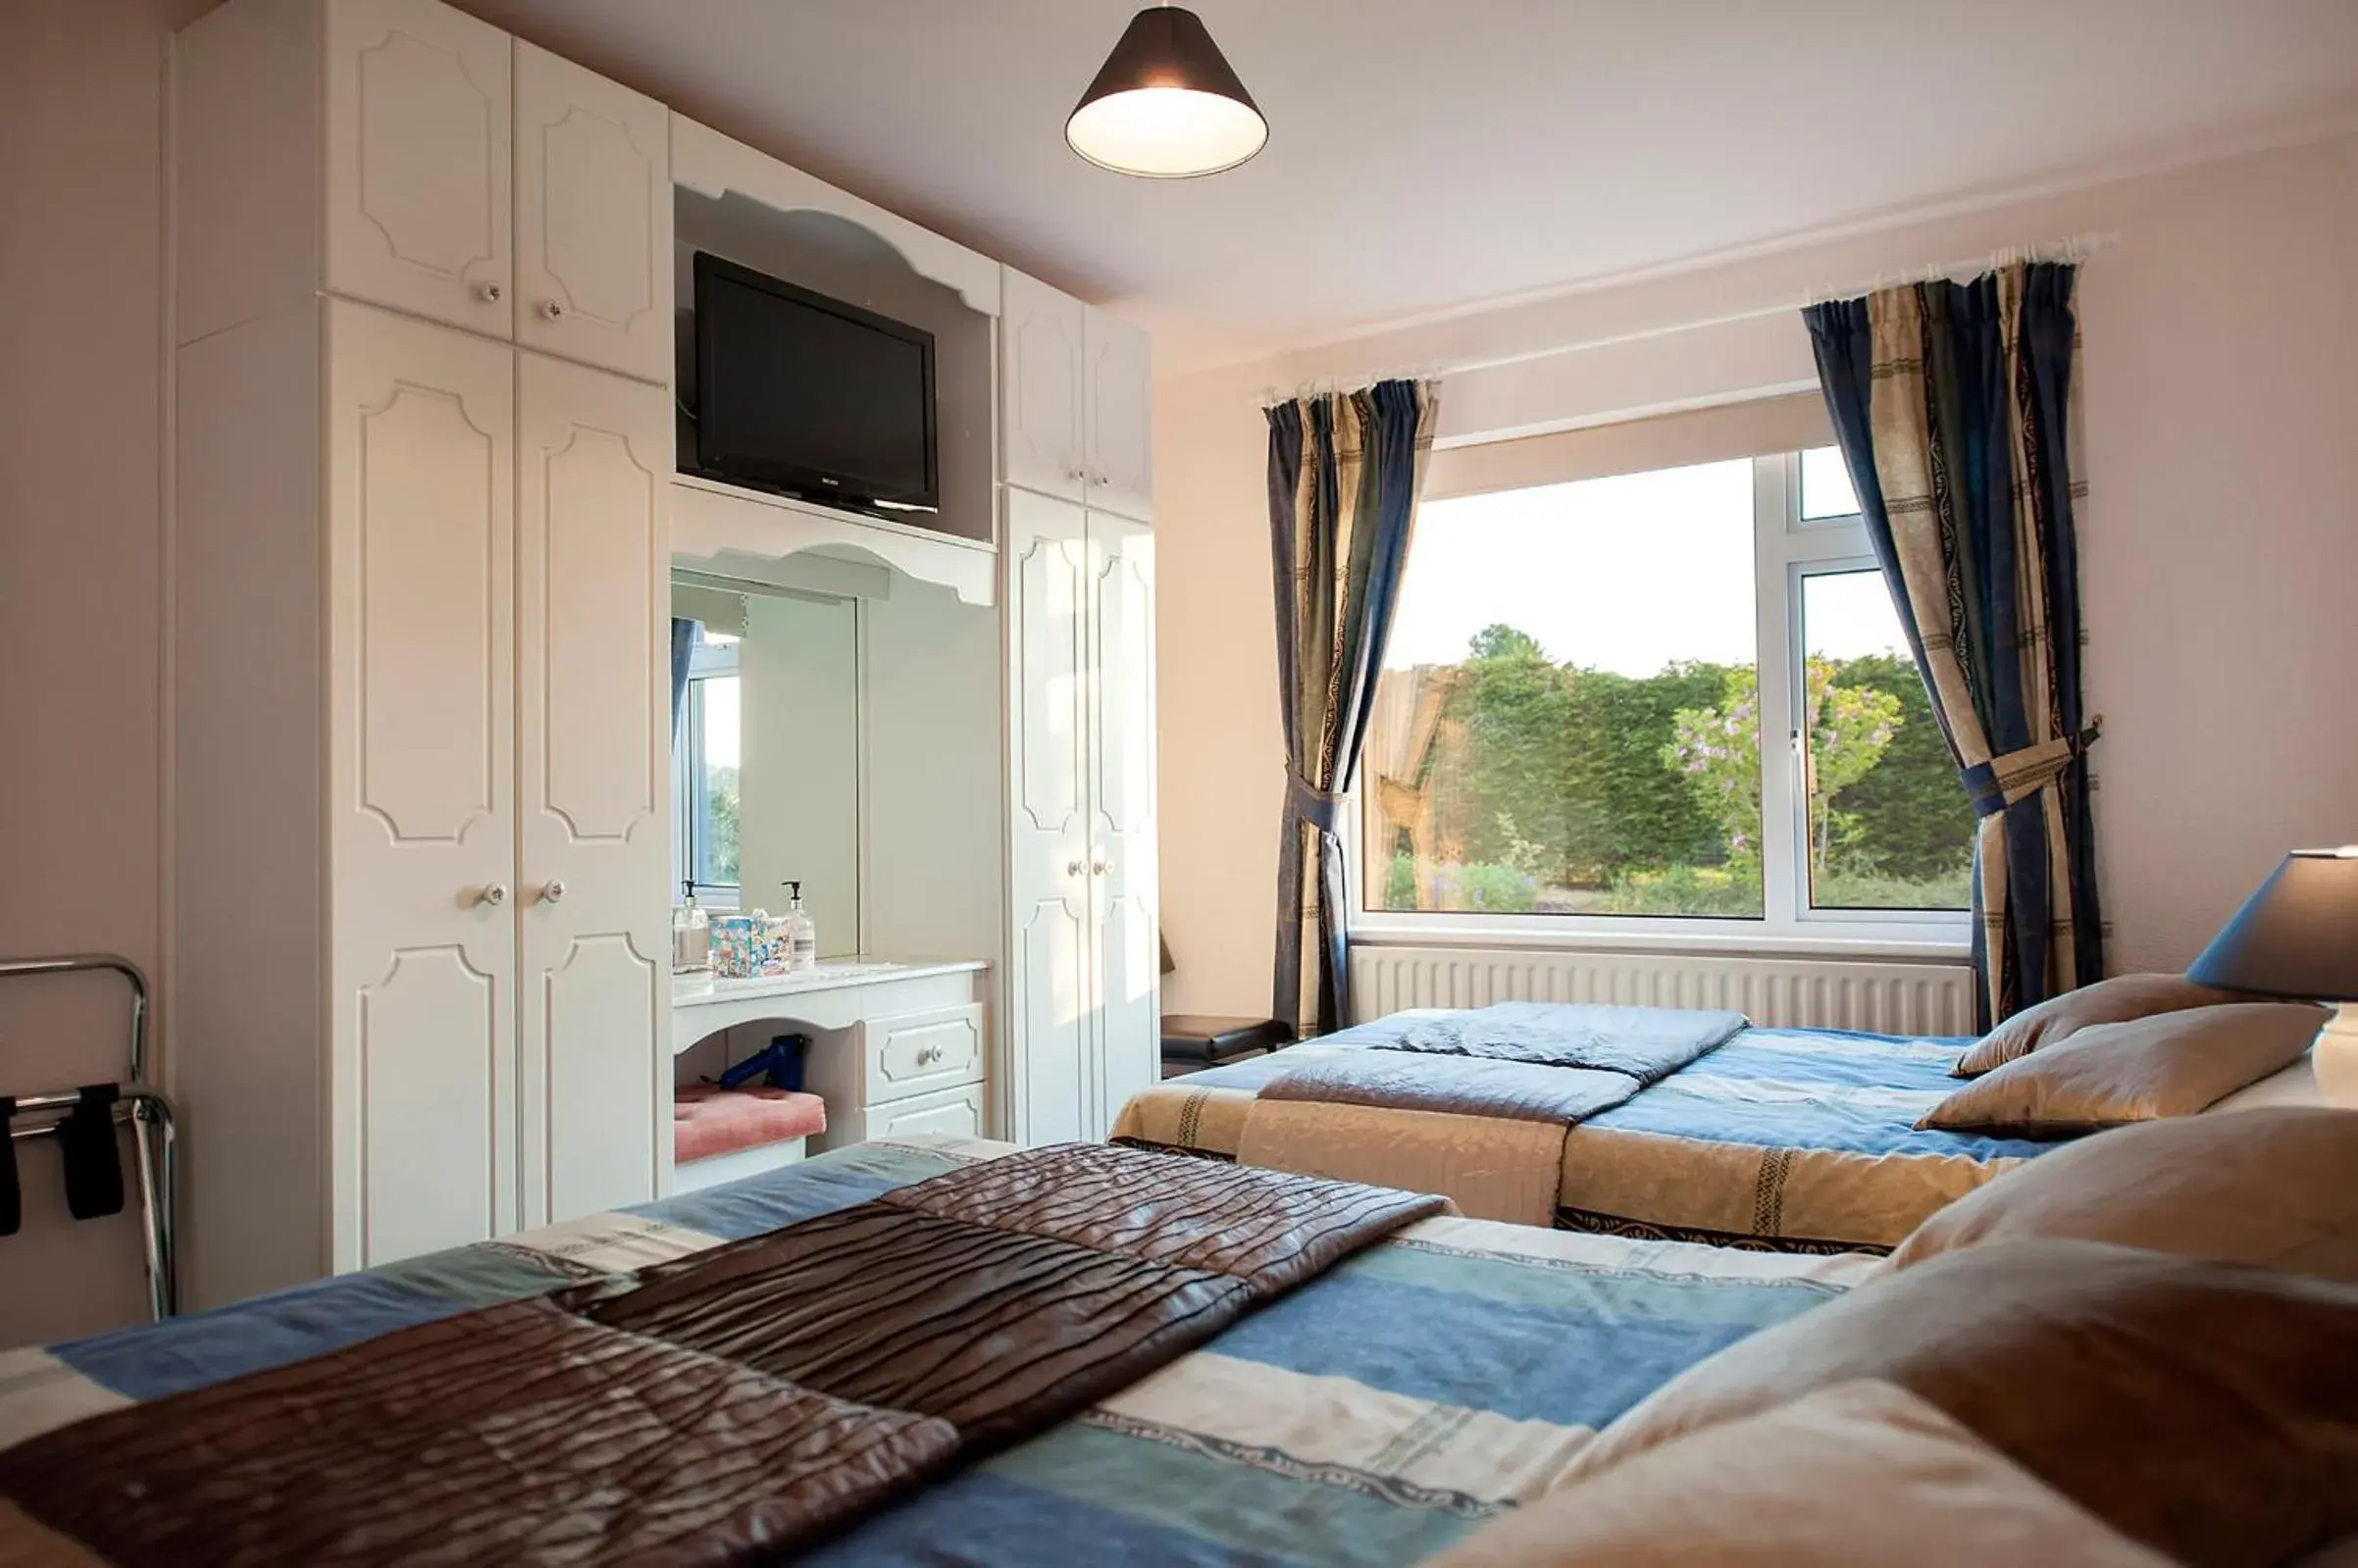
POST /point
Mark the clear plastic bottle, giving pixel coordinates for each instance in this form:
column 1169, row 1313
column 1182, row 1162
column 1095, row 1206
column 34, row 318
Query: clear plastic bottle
column 801, row 932
column 691, row 933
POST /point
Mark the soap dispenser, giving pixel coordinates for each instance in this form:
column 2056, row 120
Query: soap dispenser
column 690, row 932
column 802, row 933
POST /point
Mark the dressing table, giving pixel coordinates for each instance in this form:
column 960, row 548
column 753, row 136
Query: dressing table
column 895, row 1048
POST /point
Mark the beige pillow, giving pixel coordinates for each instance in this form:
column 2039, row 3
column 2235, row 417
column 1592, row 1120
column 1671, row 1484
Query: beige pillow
column 2110, row 1073
column 2209, row 1411
column 1861, row 1475
column 2277, row 1187
column 2116, row 1000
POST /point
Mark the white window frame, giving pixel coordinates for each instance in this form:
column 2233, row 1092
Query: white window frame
column 1786, row 548
column 707, row 661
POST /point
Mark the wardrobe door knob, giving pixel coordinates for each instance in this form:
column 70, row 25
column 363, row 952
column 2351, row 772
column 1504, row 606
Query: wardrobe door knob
column 553, row 892
column 1100, row 867
column 494, row 896
column 1073, row 868
column 551, row 308
column 489, row 293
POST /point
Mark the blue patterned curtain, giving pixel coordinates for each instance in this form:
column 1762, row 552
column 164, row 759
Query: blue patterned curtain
column 1954, row 406
column 685, row 635
column 1345, row 469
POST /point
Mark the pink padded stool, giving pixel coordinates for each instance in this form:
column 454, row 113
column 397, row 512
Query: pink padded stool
column 708, row 1121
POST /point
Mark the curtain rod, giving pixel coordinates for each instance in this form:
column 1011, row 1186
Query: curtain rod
column 2072, row 249
column 1271, row 396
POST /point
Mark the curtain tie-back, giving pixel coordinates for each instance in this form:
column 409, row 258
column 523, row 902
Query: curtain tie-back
column 2002, row 781
column 1321, row 810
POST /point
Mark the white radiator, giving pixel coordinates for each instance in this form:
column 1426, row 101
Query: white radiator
column 1884, row 996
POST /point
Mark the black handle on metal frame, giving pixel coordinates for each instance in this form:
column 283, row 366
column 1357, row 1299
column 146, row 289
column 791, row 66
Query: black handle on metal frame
column 12, row 1196
column 93, row 1162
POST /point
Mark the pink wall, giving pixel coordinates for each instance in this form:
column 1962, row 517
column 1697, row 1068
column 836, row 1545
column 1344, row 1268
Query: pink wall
column 2219, row 539
column 80, row 386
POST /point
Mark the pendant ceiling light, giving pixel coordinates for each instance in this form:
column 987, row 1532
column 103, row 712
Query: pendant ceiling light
column 1165, row 104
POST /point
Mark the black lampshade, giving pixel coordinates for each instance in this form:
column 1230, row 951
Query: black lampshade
column 1165, row 103
column 2296, row 937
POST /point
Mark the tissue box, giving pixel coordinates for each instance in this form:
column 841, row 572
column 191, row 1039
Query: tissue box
column 740, row 946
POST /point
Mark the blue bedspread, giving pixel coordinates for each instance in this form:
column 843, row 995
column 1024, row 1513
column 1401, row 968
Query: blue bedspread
column 1647, row 1043
column 1815, row 1089
column 1335, row 1426
column 1785, row 1137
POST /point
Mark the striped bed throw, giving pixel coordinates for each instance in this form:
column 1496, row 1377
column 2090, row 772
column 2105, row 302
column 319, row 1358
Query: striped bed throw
column 730, row 1407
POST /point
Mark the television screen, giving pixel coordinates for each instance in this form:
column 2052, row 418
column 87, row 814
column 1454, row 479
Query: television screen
column 807, row 394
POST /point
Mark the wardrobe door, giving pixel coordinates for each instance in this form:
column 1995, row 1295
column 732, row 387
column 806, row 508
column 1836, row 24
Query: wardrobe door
column 1039, row 387
column 1117, row 389
column 421, row 786
column 592, row 217
column 593, row 461
column 417, row 177
column 1127, row 977
column 1050, row 989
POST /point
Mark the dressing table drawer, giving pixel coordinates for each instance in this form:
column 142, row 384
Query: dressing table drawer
column 955, row 1112
column 919, row 1053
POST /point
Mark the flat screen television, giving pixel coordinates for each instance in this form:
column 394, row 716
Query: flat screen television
column 810, row 396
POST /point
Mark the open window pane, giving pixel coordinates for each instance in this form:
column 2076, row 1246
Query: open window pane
column 713, row 826
column 1888, row 824
column 1568, row 722
column 1825, row 487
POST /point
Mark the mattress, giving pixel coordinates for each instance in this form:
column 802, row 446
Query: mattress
column 1334, row 1425
column 1783, row 1139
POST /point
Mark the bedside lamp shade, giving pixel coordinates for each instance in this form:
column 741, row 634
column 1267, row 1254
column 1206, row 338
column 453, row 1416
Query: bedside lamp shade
column 2297, row 937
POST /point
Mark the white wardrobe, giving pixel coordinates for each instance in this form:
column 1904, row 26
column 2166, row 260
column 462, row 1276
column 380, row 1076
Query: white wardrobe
column 420, row 703
column 425, row 515
column 1083, row 973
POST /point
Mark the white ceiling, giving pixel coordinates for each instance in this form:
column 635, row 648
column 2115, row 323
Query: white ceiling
column 1427, row 153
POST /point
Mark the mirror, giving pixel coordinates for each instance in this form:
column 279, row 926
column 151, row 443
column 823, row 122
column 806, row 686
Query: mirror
column 765, row 781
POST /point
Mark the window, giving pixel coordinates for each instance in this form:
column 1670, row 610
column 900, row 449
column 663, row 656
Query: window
column 1888, row 825
column 1568, row 731
column 1826, row 494
column 704, row 762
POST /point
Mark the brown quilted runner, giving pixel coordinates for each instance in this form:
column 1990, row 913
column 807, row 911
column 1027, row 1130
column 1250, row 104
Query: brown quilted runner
column 516, row 1433
column 1004, row 1297
column 736, row 1405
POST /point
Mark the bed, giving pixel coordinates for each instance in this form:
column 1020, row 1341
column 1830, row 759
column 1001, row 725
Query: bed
column 1780, row 1139
column 1334, row 1420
